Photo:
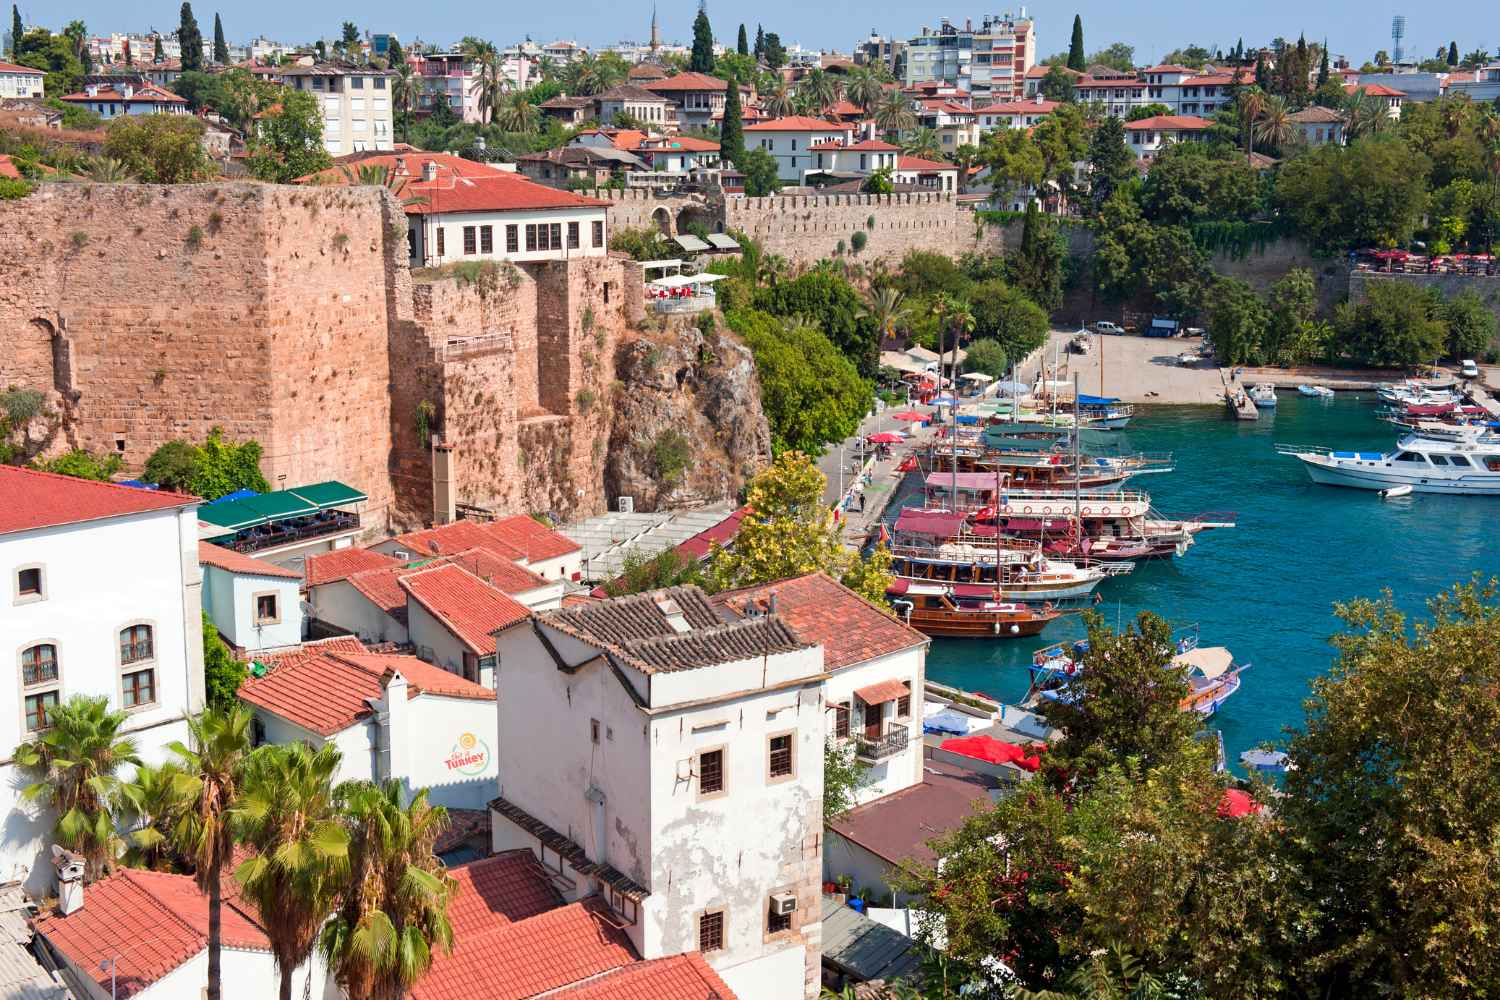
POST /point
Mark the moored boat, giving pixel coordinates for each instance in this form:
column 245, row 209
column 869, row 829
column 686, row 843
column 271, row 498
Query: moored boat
column 1264, row 396
column 965, row 611
column 1469, row 465
column 1320, row 391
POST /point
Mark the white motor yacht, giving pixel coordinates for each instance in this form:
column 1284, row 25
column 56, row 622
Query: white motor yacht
column 1466, row 464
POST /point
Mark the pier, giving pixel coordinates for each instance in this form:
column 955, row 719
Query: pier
column 1483, row 399
column 1240, row 405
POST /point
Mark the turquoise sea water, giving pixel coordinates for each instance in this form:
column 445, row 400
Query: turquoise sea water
column 1266, row 588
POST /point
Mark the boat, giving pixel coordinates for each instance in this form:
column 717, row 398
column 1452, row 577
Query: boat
column 1211, row 673
column 1321, row 391
column 1469, row 465
column 1264, row 396
column 1267, row 761
column 965, row 611
column 1395, row 491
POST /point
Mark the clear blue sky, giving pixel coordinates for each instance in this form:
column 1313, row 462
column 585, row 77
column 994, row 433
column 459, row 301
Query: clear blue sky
column 1353, row 27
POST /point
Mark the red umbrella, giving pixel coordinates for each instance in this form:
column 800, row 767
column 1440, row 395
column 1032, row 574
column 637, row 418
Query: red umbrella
column 1236, row 804
column 886, row 437
column 910, row 415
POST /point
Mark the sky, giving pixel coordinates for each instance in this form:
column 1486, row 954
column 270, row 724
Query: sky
column 1356, row 28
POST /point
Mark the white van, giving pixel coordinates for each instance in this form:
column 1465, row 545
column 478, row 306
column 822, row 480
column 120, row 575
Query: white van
column 1468, row 369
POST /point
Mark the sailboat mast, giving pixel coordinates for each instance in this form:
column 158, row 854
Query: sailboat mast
column 1077, row 467
column 953, row 412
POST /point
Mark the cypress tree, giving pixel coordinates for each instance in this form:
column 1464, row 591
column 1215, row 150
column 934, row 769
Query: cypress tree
column 732, row 131
column 156, row 53
column 191, row 40
column 702, row 59
column 15, row 32
column 743, row 48
column 1452, row 53
column 1076, row 59
column 760, row 43
column 1323, row 66
column 1262, row 72
column 221, row 48
column 129, row 59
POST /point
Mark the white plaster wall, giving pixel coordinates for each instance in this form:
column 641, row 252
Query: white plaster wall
column 543, row 598
column 340, row 604
column 436, row 727
column 230, row 600
column 679, row 687
column 868, row 872
column 453, row 223
column 905, row 769
column 769, row 977
column 434, row 642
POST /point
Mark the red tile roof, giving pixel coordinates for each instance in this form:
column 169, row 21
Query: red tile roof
column 329, row 691
column 311, row 649
column 147, row 94
column 9, row 169
column 1212, row 80
column 820, row 609
column 620, row 138
column 687, row 143
column 701, row 544
column 863, row 146
column 235, row 562
column 919, row 164
column 1375, row 89
column 677, row 977
column 534, row 539
column 30, row 499
column 340, row 564
column 409, row 162
column 795, row 123
column 844, row 108
column 6, row 67
column 502, row 192
column 688, row 81
column 446, row 539
column 501, row 889
column 470, row 608
column 496, row 570
column 147, row 924
column 1169, row 123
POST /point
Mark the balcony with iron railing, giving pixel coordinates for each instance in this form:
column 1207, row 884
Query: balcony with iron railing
column 38, row 672
column 136, row 652
column 889, row 745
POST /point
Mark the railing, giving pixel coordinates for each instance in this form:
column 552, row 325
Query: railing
column 41, row 672
column 889, row 745
column 294, row 530
column 687, row 304
column 135, row 652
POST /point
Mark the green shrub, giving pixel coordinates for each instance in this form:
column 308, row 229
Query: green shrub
column 12, row 188
column 670, row 454
column 858, row 241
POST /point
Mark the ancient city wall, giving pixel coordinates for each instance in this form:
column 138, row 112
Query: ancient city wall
column 1450, row 285
column 808, row 228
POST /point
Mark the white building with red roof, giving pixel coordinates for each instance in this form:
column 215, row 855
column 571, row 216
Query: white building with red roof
column 101, row 598
column 253, row 603
column 125, row 98
column 20, row 81
column 1147, row 136
column 1015, row 114
column 698, row 97
column 934, row 174
column 392, row 716
column 863, row 157
column 790, row 142
column 1390, row 97
column 1181, row 90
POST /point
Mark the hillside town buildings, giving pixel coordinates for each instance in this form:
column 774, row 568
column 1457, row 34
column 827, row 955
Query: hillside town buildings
column 989, row 61
column 20, row 81
column 356, row 105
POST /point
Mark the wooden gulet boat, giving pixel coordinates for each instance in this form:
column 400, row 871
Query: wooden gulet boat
column 965, row 611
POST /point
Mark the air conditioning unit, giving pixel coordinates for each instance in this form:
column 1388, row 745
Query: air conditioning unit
column 626, row 505
column 783, row 904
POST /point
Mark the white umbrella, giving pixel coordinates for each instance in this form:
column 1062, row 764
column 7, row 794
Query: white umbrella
column 977, row 377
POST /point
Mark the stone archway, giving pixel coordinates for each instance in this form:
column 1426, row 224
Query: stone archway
column 663, row 220
column 699, row 215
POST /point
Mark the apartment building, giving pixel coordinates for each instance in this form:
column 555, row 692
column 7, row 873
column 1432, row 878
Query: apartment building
column 990, row 61
column 447, row 78
column 636, row 103
column 698, row 98
column 1182, row 90
column 356, row 104
column 20, row 81
column 1014, row 114
column 101, row 598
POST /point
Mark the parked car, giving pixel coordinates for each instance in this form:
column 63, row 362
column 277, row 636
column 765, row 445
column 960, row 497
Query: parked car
column 1468, row 369
column 1105, row 326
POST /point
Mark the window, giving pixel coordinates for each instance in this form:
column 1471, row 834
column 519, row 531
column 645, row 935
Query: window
column 1410, row 456
column 39, row 665
column 556, row 234
column 777, row 922
column 1459, row 460
column 711, row 931
column 136, row 644
column 594, row 731
column 138, row 689
column 1437, row 460
column 486, row 239
column 841, row 721
column 469, row 245
column 573, row 241
column 357, row 82
column 780, row 751
column 598, row 233
column 29, row 584
column 711, row 772
column 267, row 611
column 37, row 708
column 440, row 249
column 530, row 237
column 512, row 239
column 903, row 703
column 380, row 83
column 411, row 242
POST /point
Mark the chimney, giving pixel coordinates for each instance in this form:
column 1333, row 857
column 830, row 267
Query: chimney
column 92, row 90
column 395, row 740
column 429, row 170
column 400, row 166
column 69, row 867
column 444, row 501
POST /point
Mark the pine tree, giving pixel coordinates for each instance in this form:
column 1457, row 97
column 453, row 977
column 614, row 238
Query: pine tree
column 1076, row 58
column 743, row 48
column 760, row 43
column 190, row 39
column 702, row 59
column 15, row 32
column 1452, row 53
column 731, row 132
column 156, row 53
column 221, row 48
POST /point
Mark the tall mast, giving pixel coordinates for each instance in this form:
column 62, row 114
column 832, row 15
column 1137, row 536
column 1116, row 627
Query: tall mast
column 953, row 412
column 1077, row 468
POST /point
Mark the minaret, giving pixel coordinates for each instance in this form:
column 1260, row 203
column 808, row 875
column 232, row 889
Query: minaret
column 655, row 37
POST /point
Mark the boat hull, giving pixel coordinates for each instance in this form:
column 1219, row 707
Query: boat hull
column 978, row 625
column 1367, row 475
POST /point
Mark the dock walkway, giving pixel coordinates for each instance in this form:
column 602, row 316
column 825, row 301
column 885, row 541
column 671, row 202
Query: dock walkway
column 1240, row 405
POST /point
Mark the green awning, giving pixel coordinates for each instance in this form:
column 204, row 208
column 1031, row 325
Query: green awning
column 233, row 515
column 278, row 506
column 330, row 494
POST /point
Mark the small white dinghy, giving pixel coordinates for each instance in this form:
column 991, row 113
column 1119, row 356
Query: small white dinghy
column 1395, row 491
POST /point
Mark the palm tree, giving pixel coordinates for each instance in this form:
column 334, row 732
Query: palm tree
column 863, row 88
column 1274, row 126
column 288, row 816
column 779, row 103
column 893, row 113
column 489, row 84
column 395, row 909
column 887, row 307
column 404, row 87
column 955, row 318
column 922, row 142
column 1366, row 114
column 1252, row 101
column 213, row 768
column 517, row 114
column 157, row 803
column 76, row 761
column 106, row 170
column 770, row 268
column 819, row 89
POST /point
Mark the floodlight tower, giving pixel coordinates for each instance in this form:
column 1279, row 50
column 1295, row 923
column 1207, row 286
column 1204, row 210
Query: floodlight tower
column 1398, row 35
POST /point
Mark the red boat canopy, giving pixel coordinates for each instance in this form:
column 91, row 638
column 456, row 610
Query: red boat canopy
column 1236, row 804
column 987, row 748
column 939, row 523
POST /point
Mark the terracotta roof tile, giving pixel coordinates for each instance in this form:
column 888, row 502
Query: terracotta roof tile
column 148, row 923
column 919, row 164
column 501, row 889
column 423, row 677
column 456, row 537
column 496, row 570
column 470, row 608
column 536, row 541
column 30, row 499
column 1179, row 123
column 688, row 81
column 235, row 562
column 147, row 94
column 822, row 610
column 501, row 192
column 340, row 564
column 6, row 67
column 677, row 977
column 628, row 92
column 794, row 123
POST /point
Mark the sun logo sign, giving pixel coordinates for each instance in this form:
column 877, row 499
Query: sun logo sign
column 470, row 755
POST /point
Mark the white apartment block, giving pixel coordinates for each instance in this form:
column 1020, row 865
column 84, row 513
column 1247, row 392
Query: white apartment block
column 20, row 81
column 989, row 61
column 356, row 105
column 127, row 99
column 1182, row 90
column 101, row 598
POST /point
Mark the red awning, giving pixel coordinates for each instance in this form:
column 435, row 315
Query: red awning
column 1237, row 804
column 885, row 691
column 987, row 748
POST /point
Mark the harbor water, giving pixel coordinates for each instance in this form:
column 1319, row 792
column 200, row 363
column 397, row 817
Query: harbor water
column 1266, row 588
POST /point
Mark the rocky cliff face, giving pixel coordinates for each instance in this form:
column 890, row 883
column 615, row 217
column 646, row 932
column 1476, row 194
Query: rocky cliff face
column 687, row 426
